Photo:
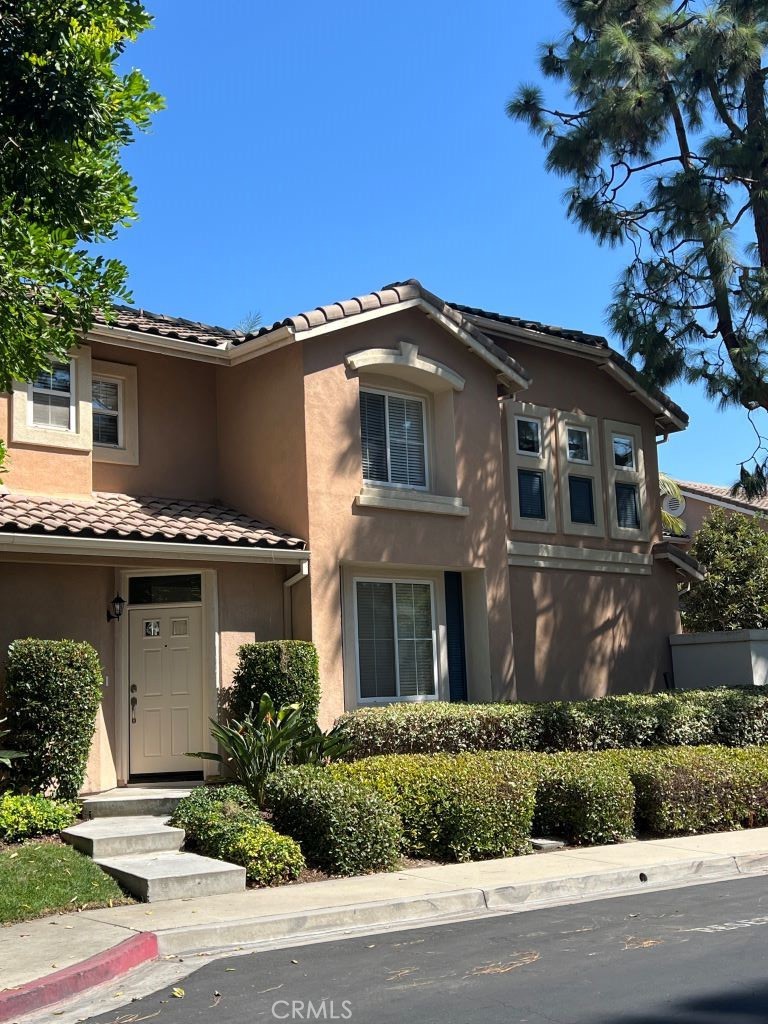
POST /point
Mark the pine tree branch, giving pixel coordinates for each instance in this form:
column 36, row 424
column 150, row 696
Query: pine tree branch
column 721, row 108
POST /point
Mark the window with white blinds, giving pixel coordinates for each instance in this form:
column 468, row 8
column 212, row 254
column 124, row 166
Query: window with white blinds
column 395, row 640
column 393, row 432
column 53, row 398
column 107, row 412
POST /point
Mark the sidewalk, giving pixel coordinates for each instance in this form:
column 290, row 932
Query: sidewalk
column 48, row 960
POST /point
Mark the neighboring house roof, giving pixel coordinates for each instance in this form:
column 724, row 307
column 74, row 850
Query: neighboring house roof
column 120, row 516
column 461, row 318
column 716, row 494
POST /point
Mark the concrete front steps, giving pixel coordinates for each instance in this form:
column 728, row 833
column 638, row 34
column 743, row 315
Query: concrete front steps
column 126, row 834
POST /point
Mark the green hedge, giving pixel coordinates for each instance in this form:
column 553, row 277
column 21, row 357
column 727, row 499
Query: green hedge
column 585, row 799
column 467, row 807
column 52, row 693
column 705, row 789
column 343, row 827
column 24, row 816
column 731, row 717
column 285, row 669
column 223, row 822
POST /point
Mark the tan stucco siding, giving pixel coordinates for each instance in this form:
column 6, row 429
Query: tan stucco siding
column 579, row 634
column 342, row 533
column 41, row 470
column 262, row 467
column 177, row 428
column 250, row 609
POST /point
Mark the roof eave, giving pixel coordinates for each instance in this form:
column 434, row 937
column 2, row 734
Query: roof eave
column 74, row 546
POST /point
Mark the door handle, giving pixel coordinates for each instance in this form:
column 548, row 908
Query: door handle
column 134, row 702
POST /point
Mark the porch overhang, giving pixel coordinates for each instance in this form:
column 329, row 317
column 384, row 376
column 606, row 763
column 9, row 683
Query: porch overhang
column 34, row 544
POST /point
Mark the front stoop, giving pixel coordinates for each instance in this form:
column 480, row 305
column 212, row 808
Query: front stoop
column 174, row 876
column 127, row 835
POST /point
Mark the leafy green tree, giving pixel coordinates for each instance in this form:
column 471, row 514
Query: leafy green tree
column 66, row 112
column 664, row 141
column 733, row 548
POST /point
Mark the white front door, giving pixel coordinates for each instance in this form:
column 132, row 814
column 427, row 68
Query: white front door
column 165, row 689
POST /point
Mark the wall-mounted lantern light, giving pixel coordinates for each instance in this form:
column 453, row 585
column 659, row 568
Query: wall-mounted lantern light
column 117, row 604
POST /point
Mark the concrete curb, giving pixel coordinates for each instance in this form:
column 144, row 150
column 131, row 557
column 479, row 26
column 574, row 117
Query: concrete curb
column 105, row 966
column 441, row 905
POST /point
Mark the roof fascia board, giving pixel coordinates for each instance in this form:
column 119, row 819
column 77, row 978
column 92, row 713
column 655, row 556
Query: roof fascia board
column 159, row 345
column 734, row 506
column 57, row 545
column 260, row 346
column 595, row 355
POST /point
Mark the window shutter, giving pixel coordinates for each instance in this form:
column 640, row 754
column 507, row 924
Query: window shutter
column 582, row 499
column 373, row 430
column 376, row 640
column 530, row 485
column 627, row 508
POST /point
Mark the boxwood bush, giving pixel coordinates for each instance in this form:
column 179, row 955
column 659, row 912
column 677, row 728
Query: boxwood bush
column 52, row 693
column 223, row 822
column 285, row 669
column 464, row 807
column 706, row 789
column 26, row 815
column 344, row 828
column 585, row 799
column 730, row 717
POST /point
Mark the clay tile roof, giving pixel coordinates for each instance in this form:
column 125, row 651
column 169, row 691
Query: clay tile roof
column 723, row 493
column 120, row 516
column 582, row 338
column 129, row 318
column 390, row 295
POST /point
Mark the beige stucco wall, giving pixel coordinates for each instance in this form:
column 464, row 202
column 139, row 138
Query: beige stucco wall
column 580, row 634
column 178, row 451
column 343, row 534
column 41, row 470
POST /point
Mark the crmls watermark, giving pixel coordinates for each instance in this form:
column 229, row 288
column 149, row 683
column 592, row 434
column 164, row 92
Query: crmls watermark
column 320, row 1009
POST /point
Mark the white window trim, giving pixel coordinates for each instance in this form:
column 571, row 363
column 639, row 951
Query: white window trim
column 636, row 476
column 427, row 434
column 540, row 425
column 397, row 699
column 33, row 390
column 593, row 470
column 119, row 415
column 127, row 453
column 79, row 435
column 544, row 462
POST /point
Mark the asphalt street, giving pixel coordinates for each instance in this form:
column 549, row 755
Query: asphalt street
column 696, row 955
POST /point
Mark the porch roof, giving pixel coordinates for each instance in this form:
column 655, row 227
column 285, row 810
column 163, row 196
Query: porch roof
column 124, row 517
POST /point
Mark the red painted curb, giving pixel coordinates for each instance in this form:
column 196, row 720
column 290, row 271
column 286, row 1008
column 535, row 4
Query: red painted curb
column 15, row 1002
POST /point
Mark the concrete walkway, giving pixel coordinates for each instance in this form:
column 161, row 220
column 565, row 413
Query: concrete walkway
column 52, row 947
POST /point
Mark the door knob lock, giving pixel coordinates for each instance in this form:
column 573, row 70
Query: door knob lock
column 134, row 702
column 134, row 688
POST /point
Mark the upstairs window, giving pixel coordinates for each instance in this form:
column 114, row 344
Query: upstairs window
column 578, row 445
column 627, row 506
column 628, row 509
column 530, row 485
column 623, row 452
column 582, row 499
column 528, row 436
column 393, row 432
column 107, row 412
column 52, row 400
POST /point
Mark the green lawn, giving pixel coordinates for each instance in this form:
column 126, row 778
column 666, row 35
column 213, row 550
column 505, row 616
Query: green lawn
column 46, row 878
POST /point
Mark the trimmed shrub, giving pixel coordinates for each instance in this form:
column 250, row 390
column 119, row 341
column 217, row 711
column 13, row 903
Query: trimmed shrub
column 285, row 669
column 705, row 789
column 223, row 822
column 344, row 828
column 53, row 691
column 585, row 799
column 463, row 807
column 731, row 717
column 23, row 816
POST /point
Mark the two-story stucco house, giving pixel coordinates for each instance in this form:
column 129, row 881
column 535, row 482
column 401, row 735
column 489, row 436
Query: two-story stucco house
column 449, row 502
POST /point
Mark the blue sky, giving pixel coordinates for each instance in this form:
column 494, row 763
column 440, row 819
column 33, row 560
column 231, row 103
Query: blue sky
column 310, row 152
